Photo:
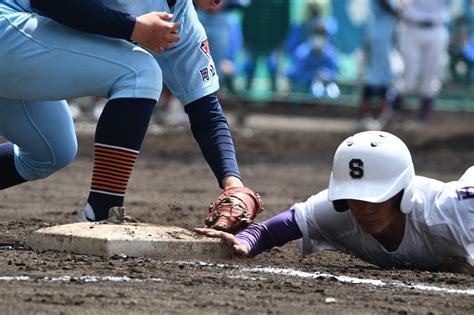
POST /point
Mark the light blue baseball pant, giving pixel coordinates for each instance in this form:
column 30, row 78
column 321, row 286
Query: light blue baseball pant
column 42, row 63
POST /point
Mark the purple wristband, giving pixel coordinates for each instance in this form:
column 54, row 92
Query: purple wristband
column 276, row 231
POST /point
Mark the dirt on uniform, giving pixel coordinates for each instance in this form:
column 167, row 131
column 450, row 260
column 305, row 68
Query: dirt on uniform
column 173, row 185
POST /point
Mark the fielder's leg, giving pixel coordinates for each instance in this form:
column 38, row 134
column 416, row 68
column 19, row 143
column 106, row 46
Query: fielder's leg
column 436, row 41
column 119, row 135
column 54, row 62
column 38, row 147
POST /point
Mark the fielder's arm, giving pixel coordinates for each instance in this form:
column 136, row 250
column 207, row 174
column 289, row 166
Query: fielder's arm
column 151, row 30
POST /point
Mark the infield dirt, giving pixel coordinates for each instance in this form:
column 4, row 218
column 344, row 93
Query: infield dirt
column 173, row 185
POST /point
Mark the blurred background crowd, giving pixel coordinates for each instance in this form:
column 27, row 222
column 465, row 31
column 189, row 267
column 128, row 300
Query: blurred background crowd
column 378, row 55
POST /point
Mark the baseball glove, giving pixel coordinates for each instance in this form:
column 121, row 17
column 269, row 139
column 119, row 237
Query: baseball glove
column 235, row 208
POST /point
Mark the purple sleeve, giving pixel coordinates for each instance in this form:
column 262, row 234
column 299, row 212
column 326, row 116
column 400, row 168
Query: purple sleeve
column 90, row 16
column 276, row 231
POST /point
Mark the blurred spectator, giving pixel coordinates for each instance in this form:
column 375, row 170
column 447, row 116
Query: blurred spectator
column 224, row 33
column 314, row 64
column 423, row 40
column 301, row 31
column 265, row 25
column 377, row 47
column 461, row 52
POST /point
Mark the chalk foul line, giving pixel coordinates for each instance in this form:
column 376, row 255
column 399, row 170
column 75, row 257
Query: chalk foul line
column 81, row 279
column 290, row 272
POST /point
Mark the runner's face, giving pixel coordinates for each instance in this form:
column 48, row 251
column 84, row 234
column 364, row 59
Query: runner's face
column 375, row 218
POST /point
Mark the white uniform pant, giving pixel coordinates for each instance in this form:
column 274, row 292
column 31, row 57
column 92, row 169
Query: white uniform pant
column 423, row 50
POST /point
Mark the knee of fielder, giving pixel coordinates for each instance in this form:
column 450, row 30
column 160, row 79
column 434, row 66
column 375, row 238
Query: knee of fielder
column 34, row 168
column 142, row 79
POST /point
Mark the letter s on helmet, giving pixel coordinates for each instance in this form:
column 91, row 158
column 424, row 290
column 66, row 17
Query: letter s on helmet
column 371, row 166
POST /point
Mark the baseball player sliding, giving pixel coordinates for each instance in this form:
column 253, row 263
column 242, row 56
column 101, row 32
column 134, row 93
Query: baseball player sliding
column 124, row 51
column 376, row 209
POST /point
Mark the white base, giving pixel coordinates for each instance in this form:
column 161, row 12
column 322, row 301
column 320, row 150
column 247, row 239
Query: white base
column 131, row 239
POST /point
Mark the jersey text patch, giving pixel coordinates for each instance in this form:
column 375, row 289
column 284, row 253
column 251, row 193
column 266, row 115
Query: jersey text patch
column 205, row 48
column 465, row 193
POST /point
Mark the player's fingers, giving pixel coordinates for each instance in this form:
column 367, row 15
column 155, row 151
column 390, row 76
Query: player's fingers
column 206, row 231
column 173, row 37
column 174, row 26
column 154, row 47
column 240, row 249
column 164, row 15
column 199, row 230
column 168, row 45
column 168, row 27
column 227, row 237
column 230, row 239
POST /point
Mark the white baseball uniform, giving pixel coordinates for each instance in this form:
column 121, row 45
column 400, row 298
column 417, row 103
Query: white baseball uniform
column 439, row 230
column 423, row 40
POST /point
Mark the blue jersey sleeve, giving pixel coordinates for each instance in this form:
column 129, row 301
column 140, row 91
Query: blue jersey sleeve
column 87, row 15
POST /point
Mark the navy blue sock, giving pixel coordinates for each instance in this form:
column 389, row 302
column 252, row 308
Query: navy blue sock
column 8, row 174
column 426, row 106
column 119, row 135
column 368, row 92
column 211, row 131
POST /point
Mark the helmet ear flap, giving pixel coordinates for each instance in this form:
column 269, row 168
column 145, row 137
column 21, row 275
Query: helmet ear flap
column 405, row 200
column 340, row 205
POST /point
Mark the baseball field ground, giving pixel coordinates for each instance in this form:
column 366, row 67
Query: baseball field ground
column 285, row 159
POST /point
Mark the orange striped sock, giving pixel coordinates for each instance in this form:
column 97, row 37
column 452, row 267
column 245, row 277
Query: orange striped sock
column 112, row 169
column 118, row 138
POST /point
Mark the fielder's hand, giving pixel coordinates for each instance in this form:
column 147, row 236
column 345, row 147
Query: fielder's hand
column 230, row 239
column 153, row 31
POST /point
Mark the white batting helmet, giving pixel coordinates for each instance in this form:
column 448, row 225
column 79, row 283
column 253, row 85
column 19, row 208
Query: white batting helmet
column 372, row 166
